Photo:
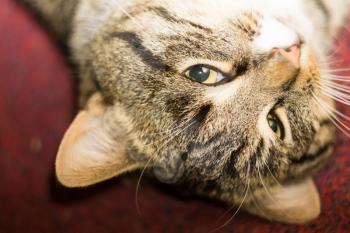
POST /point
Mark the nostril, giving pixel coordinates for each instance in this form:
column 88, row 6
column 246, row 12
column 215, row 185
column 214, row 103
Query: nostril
column 292, row 54
column 292, row 48
column 295, row 45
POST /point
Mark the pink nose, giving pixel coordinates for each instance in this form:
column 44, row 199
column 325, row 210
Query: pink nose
column 292, row 54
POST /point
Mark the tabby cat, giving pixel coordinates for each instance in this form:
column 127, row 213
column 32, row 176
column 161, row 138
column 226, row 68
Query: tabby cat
column 230, row 98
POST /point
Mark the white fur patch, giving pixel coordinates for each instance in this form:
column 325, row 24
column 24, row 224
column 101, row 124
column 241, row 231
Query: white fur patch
column 274, row 34
column 223, row 93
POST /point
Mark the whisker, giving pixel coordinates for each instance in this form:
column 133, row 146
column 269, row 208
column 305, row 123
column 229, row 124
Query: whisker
column 339, row 79
column 226, row 212
column 339, row 125
column 130, row 16
column 256, row 203
column 329, row 68
column 337, row 82
column 330, row 62
column 339, row 69
column 332, row 77
column 138, row 186
column 172, row 137
column 337, row 113
column 341, row 91
column 331, row 112
column 337, row 96
column 269, row 192
column 273, row 177
column 334, row 51
column 241, row 204
column 340, row 97
column 338, row 87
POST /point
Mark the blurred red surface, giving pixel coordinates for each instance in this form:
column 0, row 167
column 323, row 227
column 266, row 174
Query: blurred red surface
column 37, row 104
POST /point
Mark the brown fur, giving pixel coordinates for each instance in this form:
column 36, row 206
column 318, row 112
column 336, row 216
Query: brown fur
column 155, row 117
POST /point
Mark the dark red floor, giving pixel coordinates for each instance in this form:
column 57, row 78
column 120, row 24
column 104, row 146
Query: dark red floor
column 36, row 106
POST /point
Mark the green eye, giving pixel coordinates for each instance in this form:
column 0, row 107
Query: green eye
column 204, row 74
column 275, row 125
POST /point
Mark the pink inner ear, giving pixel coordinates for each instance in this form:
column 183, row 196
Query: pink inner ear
column 294, row 203
column 72, row 162
column 88, row 154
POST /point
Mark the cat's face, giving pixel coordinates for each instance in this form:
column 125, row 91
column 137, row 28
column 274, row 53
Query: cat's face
column 223, row 102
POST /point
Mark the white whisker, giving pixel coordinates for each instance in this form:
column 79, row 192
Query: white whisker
column 172, row 137
column 139, row 184
column 337, row 96
column 334, row 86
column 333, row 117
column 130, row 16
column 269, row 192
column 334, row 78
column 273, row 177
column 339, row 76
column 336, row 82
column 333, row 110
column 241, row 204
column 339, row 69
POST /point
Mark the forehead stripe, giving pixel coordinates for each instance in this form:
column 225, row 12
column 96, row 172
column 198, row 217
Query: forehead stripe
column 165, row 14
column 144, row 53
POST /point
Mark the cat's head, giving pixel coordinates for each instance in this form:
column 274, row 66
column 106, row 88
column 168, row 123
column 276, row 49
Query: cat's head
column 224, row 99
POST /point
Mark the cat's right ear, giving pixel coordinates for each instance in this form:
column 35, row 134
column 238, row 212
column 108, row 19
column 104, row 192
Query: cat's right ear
column 88, row 152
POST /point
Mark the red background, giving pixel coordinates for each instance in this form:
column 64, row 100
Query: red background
column 36, row 106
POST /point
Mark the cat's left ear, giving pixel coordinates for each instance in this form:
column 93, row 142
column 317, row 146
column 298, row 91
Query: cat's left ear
column 88, row 152
column 294, row 203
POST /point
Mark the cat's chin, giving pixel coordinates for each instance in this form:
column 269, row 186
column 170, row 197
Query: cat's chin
column 292, row 203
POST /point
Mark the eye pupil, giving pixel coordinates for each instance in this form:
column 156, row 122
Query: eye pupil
column 199, row 73
column 273, row 125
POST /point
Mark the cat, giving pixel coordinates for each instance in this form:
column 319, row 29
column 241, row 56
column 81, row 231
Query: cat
column 231, row 99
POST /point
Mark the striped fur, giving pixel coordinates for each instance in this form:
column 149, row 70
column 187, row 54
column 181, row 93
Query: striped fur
column 214, row 139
